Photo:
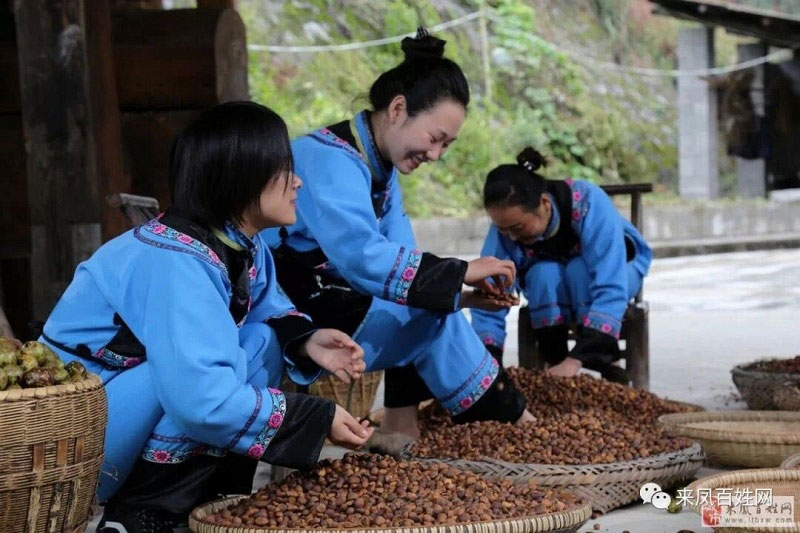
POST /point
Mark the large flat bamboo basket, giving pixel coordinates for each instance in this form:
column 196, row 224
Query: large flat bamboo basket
column 606, row 486
column 758, row 387
column 760, row 439
column 51, row 451
column 561, row 522
column 783, row 482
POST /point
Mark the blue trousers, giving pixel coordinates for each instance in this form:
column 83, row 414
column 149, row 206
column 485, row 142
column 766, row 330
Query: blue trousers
column 559, row 293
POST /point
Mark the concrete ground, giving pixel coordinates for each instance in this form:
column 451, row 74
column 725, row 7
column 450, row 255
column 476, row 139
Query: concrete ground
column 707, row 314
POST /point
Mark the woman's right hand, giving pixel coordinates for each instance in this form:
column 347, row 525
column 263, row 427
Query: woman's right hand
column 501, row 271
column 347, row 431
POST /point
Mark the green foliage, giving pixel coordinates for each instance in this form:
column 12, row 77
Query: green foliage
column 590, row 124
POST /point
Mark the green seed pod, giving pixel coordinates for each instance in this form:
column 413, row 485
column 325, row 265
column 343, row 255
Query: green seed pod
column 28, row 362
column 60, row 375
column 14, row 373
column 76, row 368
column 36, row 349
column 7, row 357
column 3, row 379
column 53, row 362
column 674, row 506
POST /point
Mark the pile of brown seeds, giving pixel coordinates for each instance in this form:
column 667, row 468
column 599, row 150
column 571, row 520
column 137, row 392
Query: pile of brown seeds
column 373, row 491
column 580, row 420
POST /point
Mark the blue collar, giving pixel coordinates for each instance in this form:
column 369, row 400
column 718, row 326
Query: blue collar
column 232, row 236
column 369, row 150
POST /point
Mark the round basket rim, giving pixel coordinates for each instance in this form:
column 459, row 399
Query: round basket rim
column 573, row 517
column 661, row 460
column 746, row 370
column 91, row 382
column 675, row 423
column 725, row 479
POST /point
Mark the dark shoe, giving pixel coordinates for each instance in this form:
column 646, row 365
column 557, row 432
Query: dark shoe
column 137, row 521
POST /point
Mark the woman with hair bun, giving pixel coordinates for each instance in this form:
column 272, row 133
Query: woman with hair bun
column 351, row 259
column 577, row 259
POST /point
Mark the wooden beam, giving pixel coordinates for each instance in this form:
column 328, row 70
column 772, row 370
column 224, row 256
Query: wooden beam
column 105, row 113
column 173, row 59
column 60, row 148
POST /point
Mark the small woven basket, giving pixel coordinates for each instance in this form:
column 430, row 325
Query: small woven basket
column 51, row 451
column 566, row 521
column 782, row 482
column 357, row 399
column 787, row 396
column 760, row 439
column 757, row 386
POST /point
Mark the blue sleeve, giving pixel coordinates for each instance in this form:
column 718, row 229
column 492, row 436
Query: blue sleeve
column 603, row 249
column 395, row 224
column 491, row 325
column 336, row 206
column 271, row 307
column 195, row 358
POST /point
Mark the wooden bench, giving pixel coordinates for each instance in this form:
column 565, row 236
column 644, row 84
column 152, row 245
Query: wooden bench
column 635, row 322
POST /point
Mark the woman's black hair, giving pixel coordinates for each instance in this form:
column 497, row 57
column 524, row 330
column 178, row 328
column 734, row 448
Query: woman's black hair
column 510, row 185
column 221, row 163
column 424, row 77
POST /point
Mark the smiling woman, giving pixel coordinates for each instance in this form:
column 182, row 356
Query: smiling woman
column 351, row 260
column 577, row 259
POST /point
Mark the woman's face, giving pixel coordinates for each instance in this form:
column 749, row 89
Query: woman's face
column 411, row 141
column 519, row 224
column 277, row 204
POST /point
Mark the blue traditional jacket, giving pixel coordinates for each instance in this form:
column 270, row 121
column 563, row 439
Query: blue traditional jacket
column 352, row 234
column 171, row 295
column 584, row 224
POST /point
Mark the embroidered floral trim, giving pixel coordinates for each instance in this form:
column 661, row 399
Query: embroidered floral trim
column 406, row 275
column 192, row 246
column 326, row 136
column 489, row 339
column 250, row 420
column 478, row 389
column 167, row 456
column 580, row 204
column 274, row 422
column 602, row 322
column 473, row 387
column 117, row 360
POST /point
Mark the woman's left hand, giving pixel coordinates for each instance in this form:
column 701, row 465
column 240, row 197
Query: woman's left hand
column 566, row 368
column 337, row 353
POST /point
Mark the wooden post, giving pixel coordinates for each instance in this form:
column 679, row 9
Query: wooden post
column 63, row 181
column 113, row 178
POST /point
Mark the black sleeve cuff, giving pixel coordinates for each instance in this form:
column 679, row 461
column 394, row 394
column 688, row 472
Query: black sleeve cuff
column 437, row 284
column 595, row 348
column 299, row 440
column 292, row 331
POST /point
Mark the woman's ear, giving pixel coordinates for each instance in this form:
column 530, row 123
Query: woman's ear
column 397, row 109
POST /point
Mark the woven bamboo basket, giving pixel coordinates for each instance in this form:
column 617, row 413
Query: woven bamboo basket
column 561, row 522
column 757, row 386
column 606, row 486
column 783, row 482
column 793, row 461
column 51, row 451
column 787, row 396
column 357, row 399
column 759, row 439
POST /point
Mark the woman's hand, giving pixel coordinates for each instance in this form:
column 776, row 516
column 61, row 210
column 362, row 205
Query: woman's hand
column 566, row 368
column 337, row 353
column 502, row 272
column 347, row 431
column 476, row 299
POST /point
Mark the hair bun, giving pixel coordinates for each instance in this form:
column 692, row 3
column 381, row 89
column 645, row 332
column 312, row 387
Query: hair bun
column 423, row 46
column 531, row 160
